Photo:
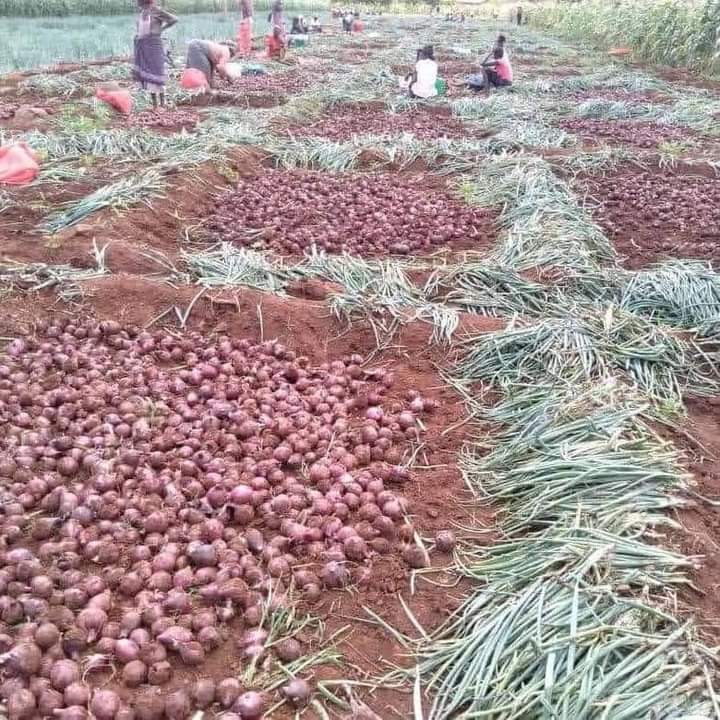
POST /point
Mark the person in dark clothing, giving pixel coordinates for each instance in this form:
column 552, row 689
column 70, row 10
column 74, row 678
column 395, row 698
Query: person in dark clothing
column 519, row 15
column 149, row 55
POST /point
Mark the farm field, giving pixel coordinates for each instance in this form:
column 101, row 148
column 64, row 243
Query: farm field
column 35, row 42
column 319, row 402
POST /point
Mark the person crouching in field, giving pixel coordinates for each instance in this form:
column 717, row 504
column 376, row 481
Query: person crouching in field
column 204, row 60
column 275, row 44
column 495, row 69
column 498, row 71
column 149, row 59
column 422, row 81
column 298, row 32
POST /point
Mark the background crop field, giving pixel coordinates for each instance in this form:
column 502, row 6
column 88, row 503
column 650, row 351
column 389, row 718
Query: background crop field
column 34, row 42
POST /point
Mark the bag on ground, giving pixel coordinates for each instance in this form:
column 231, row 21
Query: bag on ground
column 18, row 164
column 120, row 100
column 193, row 79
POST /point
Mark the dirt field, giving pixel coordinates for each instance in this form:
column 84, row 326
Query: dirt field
column 332, row 110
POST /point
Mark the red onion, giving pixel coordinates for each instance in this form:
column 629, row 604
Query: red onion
column 126, row 650
column 297, row 692
column 177, row 705
column 64, row 673
column 24, row 659
column 77, row 693
column 415, row 557
column 203, row 693
column 445, row 541
column 21, row 705
column 250, row 706
column 227, row 692
column 104, row 704
column 159, row 673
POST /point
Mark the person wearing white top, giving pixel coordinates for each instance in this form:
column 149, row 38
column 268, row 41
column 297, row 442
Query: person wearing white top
column 421, row 82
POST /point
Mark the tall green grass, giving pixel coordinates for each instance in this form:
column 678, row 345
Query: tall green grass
column 34, row 42
column 62, row 8
column 681, row 33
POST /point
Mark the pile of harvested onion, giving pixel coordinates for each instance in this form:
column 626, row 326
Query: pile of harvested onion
column 164, row 118
column 348, row 120
column 638, row 134
column 155, row 486
column 363, row 214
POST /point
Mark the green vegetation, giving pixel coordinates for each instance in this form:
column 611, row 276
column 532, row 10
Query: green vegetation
column 27, row 43
column 570, row 611
column 62, row 8
column 672, row 32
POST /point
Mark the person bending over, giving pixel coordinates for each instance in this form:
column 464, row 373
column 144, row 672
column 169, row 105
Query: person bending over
column 209, row 58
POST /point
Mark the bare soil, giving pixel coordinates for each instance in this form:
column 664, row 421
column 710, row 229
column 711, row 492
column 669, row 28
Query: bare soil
column 699, row 439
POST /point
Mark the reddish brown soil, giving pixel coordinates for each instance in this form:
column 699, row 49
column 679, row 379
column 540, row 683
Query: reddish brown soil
column 237, row 99
column 168, row 120
column 308, row 327
column 282, row 83
column 158, row 227
column 700, row 441
column 655, row 214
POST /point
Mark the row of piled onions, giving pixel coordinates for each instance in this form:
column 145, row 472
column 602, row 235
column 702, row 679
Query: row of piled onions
column 164, row 118
column 362, row 214
column 643, row 199
column 348, row 120
column 154, row 487
column 638, row 134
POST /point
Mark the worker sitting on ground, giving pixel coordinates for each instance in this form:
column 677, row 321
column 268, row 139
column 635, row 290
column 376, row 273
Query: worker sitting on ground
column 498, row 71
column 298, row 33
column 274, row 44
column 315, row 26
column 204, row 59
column 495, row 69
column 422, row 81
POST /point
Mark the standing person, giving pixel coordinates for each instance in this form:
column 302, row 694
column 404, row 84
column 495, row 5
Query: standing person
column 244, row 39
column 277, row 20
column 207, row 58
column 347, row 21
column 149, row 60
column 519, row 14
